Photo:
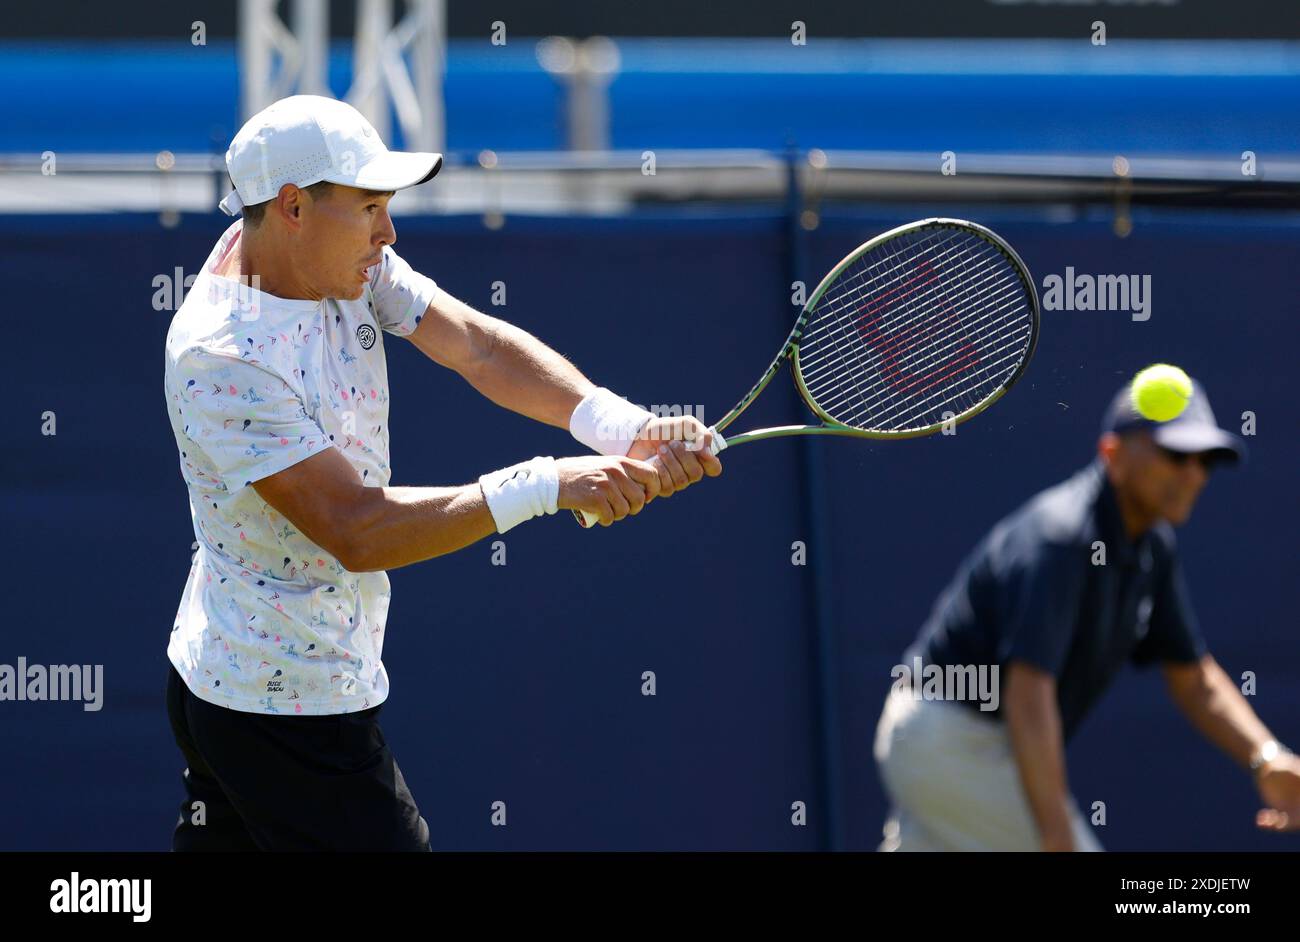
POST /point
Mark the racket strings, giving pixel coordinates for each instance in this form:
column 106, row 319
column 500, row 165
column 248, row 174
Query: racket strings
column 955, row 347
column 841, row 327
column 880, row 271
column 857, row 411
column 830, row 320
column 831, row 325
column 1004, row 328
column 933, row 322
column 892, row 405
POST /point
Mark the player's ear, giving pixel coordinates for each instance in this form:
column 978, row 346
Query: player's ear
column 1108, row 447
column 289, row 203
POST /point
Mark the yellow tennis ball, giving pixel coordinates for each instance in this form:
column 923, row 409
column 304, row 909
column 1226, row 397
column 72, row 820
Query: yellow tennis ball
column 1161, row 392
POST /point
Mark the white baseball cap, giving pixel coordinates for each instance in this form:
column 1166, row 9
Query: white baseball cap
column 306, row 139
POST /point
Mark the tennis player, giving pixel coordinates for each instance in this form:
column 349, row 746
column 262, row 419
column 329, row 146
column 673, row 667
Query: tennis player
column 1058, row 596
column 277, row 389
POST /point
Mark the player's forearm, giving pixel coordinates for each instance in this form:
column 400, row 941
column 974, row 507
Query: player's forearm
column 1214, row 705
column 524, row 375
column 397, row 526
column 1034, row 723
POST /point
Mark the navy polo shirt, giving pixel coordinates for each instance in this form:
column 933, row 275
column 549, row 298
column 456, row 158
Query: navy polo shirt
column 1031, row 591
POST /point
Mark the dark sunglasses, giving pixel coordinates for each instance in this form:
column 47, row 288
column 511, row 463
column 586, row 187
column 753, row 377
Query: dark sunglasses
column 1209, row 460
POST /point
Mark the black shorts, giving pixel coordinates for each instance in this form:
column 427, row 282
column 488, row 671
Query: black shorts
column 288, row 783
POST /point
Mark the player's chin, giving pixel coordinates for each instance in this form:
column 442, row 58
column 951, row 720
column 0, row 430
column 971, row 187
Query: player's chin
column 1179, row 512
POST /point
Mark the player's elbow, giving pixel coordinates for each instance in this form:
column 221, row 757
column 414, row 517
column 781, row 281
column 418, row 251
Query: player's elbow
column 1029, row 692
column 1192, row 684
column 324, row 499
column 360, row 560
column 351, row 555
column 356, row 550
column 337, row 537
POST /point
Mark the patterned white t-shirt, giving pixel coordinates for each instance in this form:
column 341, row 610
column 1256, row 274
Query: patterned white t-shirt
column 270, row 622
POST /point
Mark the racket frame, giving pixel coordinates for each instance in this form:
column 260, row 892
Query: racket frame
column 790, row 349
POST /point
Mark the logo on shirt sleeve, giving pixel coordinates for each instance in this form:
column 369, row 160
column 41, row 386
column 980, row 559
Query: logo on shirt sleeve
column 366, row 336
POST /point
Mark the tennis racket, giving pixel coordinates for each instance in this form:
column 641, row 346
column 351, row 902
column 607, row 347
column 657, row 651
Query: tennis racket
column 924, row 326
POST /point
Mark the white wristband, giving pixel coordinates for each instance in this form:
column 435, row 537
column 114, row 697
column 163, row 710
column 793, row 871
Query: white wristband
column 521, row 491
column 607, row 423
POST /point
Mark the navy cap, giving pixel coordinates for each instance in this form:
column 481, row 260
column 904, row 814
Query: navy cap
column 1194, row 430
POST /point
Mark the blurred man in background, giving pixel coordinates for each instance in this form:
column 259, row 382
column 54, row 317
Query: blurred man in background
column 1055, row 600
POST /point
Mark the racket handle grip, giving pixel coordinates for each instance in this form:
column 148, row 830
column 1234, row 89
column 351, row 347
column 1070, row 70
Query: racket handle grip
column 588, row 520
column 585, row 520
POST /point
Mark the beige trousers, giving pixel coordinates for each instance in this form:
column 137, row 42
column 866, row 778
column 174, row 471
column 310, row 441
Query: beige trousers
column 952, row 781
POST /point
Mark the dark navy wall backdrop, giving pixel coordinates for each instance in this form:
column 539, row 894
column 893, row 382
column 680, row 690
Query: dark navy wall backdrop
column 522, row 683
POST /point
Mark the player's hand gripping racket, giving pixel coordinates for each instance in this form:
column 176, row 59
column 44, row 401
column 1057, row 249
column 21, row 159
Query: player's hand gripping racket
column 926, row 324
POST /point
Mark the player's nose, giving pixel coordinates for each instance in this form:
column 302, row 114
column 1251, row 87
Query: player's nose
column 1195, row 472
column 386, row 232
